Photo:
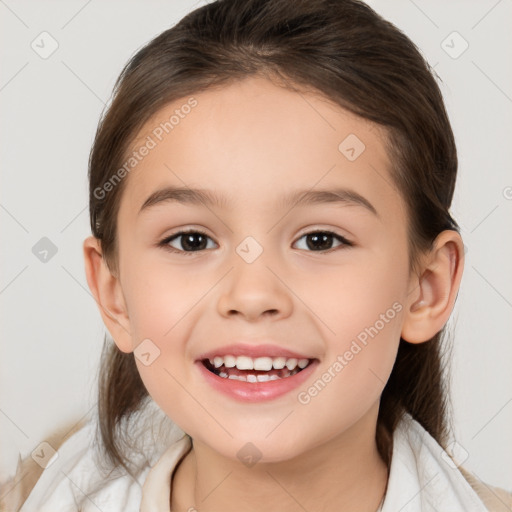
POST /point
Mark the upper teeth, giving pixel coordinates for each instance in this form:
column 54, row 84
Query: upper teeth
column 258, row 363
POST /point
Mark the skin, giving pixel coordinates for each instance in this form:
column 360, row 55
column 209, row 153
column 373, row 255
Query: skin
column 254, row 141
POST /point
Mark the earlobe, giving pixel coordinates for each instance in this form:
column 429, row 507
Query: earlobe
column 434, row 292
column 107, row 291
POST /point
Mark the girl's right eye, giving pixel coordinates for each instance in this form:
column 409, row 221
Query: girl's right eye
column 191, row 241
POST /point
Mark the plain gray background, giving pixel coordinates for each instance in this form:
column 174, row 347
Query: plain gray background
column 52, row 332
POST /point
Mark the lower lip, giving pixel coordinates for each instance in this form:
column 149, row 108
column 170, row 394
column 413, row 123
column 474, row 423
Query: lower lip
column 256, row 391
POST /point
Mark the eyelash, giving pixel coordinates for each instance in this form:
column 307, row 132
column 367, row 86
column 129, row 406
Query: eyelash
column 165, row 242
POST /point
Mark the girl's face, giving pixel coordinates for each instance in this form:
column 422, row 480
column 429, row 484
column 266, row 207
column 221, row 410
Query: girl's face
column 256, row 280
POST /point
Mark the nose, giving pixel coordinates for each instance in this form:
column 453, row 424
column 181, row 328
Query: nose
column 254, row 290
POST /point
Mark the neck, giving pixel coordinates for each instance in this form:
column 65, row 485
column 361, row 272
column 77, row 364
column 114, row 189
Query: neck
column 345, row 473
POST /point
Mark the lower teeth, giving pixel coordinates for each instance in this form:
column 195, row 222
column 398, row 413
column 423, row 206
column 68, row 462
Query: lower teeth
column 245, row 376
column 250, row 377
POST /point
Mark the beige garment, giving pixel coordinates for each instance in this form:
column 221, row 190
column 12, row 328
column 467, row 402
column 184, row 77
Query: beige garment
column 494, row 498
column 15, row 491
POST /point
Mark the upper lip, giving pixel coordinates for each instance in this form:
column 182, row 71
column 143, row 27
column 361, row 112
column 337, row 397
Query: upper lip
column 251, row 350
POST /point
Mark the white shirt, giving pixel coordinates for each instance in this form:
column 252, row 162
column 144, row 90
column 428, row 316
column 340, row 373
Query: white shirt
column 422, row 478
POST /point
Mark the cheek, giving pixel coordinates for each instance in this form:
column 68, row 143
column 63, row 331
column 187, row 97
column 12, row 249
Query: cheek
column 161, row 302
column 158, row 298
column 351, row 299
column 356, row 367
column 361, row 312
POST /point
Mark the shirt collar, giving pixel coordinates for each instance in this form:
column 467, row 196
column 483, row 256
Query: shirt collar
column 422, row 477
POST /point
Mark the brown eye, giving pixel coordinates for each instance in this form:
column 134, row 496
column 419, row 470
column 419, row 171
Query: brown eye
column 186, row 241
column 321, row 241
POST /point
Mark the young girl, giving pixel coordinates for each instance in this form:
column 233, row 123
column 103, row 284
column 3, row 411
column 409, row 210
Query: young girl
column 275, row 260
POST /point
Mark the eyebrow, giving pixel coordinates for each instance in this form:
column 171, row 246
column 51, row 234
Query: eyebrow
column 206, row 197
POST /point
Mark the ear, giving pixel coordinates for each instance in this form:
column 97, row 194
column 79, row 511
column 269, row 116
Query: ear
column 434, row 291
column 107, row 291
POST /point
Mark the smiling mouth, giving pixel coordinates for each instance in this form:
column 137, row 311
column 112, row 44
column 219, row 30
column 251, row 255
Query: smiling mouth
column 260, row 370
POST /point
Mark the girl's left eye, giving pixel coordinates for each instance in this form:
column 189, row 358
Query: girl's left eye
column 195, row 240
column 319, row 239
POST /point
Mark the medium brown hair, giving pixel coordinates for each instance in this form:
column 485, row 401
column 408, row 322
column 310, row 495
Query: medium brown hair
column 343, row 50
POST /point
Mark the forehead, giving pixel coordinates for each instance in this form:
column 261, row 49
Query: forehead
column 252, row 141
